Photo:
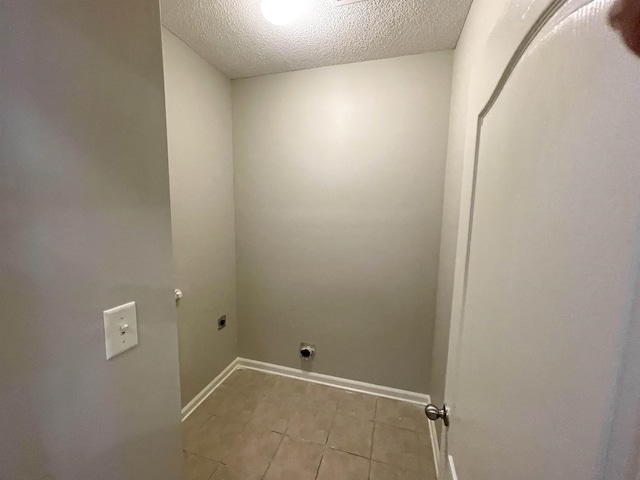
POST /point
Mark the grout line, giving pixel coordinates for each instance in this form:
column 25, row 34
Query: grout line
column 275, row 454
column 215, row 470
column 326, row 445
column 320, row 464
column 333, row 421
column 348, row 453
column 375, row 410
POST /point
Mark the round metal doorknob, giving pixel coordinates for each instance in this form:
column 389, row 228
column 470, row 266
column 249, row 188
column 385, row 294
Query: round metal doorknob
column 434, row 413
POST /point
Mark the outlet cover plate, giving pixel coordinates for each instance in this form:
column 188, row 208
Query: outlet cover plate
column 120, row 329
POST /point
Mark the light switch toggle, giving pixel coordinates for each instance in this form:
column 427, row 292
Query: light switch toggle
column 120, row 329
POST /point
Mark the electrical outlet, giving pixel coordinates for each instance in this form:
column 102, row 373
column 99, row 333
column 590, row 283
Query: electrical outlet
column 222, row 322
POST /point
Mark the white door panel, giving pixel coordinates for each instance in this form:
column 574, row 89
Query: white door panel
column 552, row 254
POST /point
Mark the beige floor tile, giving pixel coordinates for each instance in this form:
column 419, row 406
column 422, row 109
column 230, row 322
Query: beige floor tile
column 358, row 405
column 311, row 425
column 211, row 438
column 396, row 446
column 225, row 472
column 273, row 415
column 193, row 421
column 337, row 465
column 382, row 471
column 401, row 414
column 252, row 380
column 427, row 463
column 291, row 385
column 288, row 390
column 352, row 435
column 279, row 396
column 237, row 426
column 295, row 460
column 193, row 432
column 196, row 467
column 252, row 451
column 323, row 397
column 232, row 402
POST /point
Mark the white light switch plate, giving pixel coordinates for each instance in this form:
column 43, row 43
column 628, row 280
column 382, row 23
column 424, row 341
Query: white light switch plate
column 120, row 329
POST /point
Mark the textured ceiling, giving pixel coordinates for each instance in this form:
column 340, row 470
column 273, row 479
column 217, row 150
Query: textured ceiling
column 234, row 36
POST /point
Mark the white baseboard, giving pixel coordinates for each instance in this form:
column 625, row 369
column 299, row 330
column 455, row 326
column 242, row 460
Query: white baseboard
column 435, row 446
column 202, row 396
column 351, row 385
column 452, row 469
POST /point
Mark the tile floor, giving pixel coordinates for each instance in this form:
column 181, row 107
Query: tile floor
column 261, row 426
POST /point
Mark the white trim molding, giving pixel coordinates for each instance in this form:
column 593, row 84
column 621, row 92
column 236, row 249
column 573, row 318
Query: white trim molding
column 452, row 469
column 435, row 446
column 343, row 383
column 190, row 407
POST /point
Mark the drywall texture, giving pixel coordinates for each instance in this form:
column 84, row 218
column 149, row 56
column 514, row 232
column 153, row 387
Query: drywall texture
column 234, row 36
column 201, row 173
column 85, row 226
column 339, row 179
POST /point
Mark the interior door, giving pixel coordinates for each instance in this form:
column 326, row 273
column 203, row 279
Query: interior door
column 552, row 258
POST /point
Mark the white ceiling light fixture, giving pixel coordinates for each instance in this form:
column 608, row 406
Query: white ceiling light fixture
column 282, row 12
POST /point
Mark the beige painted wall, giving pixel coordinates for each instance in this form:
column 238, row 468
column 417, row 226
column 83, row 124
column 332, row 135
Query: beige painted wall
column 201, row 172
column 339, row 183
column 85, row 226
